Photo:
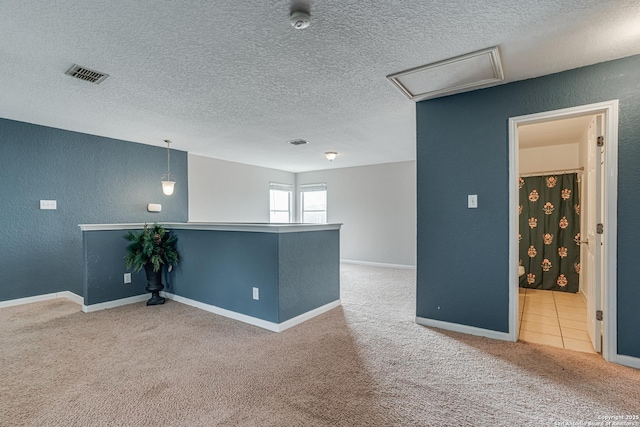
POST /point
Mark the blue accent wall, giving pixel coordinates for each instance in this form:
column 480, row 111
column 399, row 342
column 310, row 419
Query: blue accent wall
column 462, row 148
column 95, row 180
column 309, row 271
column 104, row 269
column 294, row 272
column 220, row 268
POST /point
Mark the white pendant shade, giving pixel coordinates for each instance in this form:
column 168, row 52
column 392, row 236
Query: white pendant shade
column 167, row 187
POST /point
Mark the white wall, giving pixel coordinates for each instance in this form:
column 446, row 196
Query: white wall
column 221, row 191
column 552, row 157
column 377, row 206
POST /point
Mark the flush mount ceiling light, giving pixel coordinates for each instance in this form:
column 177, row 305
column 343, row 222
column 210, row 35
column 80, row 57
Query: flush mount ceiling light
column 450, row 76
column 331, row 155
column 86, row 74
column 167, row 183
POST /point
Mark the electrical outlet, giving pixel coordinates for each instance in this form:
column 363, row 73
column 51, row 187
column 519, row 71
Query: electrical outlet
column 127, row 278
column 256, row 293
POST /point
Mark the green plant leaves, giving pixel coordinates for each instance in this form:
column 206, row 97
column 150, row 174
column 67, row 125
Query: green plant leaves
column 154, row 245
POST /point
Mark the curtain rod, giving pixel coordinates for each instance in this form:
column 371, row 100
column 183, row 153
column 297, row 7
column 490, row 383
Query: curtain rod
column 554, row 172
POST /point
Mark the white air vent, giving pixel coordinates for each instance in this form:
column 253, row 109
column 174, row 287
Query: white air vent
column 86, row 74
column 298, row 142
column 455, row 75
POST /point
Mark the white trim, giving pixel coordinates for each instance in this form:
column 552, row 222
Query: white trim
column 514, row 171
column 37, row 298
column 496, row 66
column 630, row 361
column 610, row 219
column 379, row 264
column 308, row 188
column 465, row 329
column 71, row 297
column 223, row 312
column 219, row 226
column 115, row 303
column 583, row 296
column 308, row 315
column 610, row 111
column 271, row 326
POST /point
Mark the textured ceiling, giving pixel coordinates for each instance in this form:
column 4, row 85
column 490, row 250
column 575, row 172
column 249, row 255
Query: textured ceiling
column 233, row 80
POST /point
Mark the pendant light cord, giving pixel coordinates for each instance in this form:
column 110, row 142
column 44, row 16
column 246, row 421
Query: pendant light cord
column 168, row 141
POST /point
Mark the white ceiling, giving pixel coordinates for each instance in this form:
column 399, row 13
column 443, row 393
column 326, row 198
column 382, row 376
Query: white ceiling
column 233, row 80
column 555, row 132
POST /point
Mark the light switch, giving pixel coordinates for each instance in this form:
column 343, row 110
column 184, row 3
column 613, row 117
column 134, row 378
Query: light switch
column 48, row 204
column 472, row 201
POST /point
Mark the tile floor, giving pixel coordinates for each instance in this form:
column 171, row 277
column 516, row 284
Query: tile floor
column 558, row 319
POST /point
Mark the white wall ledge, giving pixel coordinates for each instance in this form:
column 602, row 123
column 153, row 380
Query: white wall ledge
column 219, row 226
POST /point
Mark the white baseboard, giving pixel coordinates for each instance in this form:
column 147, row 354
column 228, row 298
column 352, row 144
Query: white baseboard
column 584, row 297
column 116, row 303
column 472, row 330
column 71, row 297
column 630, row 361
column 271, row 326
column 308, row 315
column 379, row 264
column 28, row 300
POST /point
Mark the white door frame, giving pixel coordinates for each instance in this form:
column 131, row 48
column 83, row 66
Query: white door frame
column 609, row 109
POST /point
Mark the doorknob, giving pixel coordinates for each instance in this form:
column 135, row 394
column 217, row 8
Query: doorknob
column 585, row 241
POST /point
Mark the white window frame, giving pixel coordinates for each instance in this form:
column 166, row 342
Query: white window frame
column 307, row 188
column 274, row 186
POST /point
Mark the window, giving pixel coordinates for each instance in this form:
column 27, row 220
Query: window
column 313, row 203
column 280, row 202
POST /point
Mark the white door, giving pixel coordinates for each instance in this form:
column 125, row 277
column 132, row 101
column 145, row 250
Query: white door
column 592, row 270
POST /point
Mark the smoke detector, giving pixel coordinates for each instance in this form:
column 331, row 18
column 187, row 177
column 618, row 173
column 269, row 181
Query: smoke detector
column 300, row 19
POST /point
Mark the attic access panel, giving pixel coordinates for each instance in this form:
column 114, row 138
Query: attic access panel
column 464, row 72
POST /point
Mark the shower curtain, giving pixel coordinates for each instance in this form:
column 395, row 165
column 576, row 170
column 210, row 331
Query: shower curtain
column 549, row 234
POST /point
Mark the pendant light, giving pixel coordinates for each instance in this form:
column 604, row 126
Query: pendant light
column 167, row 183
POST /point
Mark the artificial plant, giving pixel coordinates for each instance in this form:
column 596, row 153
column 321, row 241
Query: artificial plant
column 153, row 245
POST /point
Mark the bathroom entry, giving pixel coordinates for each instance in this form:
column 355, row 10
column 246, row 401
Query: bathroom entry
column 554, row 289
column 565, row 144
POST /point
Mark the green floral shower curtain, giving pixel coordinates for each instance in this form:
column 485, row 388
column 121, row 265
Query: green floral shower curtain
column 549, row 235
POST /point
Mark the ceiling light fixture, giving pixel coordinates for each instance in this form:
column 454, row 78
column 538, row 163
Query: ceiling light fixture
column 167, row 183
column 330, row 155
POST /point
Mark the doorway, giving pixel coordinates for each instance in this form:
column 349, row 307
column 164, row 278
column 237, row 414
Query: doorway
column 597, row 250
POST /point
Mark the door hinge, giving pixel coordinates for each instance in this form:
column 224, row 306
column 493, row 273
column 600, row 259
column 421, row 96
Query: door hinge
column 600, row 228
column 598, row 314
column 601, row 141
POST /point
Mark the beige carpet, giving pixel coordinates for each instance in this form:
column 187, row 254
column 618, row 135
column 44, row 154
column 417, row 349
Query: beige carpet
column 366, row 363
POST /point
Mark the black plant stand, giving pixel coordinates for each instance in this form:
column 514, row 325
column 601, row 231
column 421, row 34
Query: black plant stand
column 154, row 284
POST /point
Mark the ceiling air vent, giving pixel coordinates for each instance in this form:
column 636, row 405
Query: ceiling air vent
column 86, row 74
column 298, row 142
